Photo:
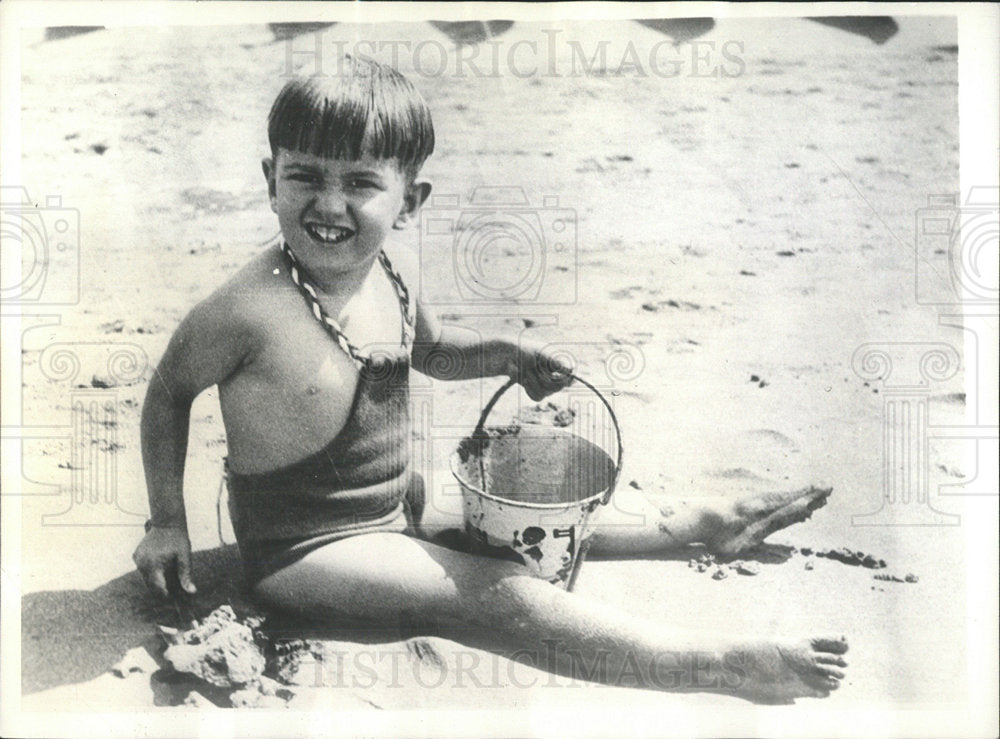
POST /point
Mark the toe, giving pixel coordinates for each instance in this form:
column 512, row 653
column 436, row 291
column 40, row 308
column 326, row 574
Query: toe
column 836, row 645
column 823, row 683
column 809, row 497
column 829, row 659
column 830, row 672
column 819, row 687
column 818, row 497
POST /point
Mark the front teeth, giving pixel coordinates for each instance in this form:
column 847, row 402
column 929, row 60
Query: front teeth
column 328, row 234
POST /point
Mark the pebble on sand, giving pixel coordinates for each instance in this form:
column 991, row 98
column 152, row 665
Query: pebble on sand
column 910, row 578
column 853, row 558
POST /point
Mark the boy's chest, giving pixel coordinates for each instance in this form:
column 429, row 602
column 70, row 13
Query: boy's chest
column 303, row 362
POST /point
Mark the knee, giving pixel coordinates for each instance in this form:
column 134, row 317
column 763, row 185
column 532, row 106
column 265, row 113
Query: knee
column 514, row 600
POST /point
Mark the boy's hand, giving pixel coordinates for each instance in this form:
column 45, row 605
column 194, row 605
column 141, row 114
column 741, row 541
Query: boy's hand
column 541, row 373
column 164, row 559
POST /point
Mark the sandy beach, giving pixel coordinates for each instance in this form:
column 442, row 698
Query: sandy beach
column 739, row 238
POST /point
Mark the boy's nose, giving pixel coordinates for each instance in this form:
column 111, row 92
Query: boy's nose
column 330, row 202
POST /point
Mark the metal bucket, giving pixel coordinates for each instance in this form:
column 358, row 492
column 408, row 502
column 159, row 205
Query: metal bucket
column 531, row 493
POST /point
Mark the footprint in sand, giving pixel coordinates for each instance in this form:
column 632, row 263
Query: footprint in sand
column 625, row 293
column 773, row 436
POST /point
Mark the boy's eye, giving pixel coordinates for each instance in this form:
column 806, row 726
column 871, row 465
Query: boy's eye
column 361, row 183
column 304, row 177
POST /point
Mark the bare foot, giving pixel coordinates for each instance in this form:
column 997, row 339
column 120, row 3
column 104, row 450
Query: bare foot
column 779, row 672
column 752, row 519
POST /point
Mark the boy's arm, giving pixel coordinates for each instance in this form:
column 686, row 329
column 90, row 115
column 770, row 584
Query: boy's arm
column 458, row 353
column 207, row 347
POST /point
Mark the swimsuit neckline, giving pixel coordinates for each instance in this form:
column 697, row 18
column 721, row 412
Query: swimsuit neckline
column 302, row 280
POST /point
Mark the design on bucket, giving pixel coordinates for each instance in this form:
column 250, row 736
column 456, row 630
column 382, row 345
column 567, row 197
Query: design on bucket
column 530, row 493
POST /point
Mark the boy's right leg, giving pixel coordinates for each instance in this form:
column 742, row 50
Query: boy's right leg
column 635, row 523
column 385, row 576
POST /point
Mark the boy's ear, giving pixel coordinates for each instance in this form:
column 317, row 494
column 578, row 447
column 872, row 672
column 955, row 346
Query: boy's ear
column 416, row 195
column 267, row 164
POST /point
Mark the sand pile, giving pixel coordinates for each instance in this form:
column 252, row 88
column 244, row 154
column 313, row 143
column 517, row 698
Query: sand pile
column 232, row 661
column 221, row 650
column 228, row 654
column 226, row 661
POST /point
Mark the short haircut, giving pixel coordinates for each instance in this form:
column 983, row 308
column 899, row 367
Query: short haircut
column 365, row 108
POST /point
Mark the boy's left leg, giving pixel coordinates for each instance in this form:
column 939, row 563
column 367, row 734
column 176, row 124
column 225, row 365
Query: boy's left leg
column 497, row 605
column 634, row 523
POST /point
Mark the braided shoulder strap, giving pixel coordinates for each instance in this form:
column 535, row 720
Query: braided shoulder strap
column 404, row 298
column 302, row 281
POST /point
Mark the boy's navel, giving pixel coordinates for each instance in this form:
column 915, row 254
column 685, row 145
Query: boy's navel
column 312, row 390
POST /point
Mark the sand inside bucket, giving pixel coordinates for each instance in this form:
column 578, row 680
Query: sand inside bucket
column 525, row 464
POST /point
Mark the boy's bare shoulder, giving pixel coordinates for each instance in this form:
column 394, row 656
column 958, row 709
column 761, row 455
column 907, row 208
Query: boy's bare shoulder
column 246, row 300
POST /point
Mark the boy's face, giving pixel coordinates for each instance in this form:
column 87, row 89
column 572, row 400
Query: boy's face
column 335, row 214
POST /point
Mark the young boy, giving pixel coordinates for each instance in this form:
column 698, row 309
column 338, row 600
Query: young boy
column 311, row 345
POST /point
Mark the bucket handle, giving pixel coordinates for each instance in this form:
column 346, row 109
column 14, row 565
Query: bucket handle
column 576, row 378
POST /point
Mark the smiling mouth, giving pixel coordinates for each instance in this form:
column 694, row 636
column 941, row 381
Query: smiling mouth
column 328, row 234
